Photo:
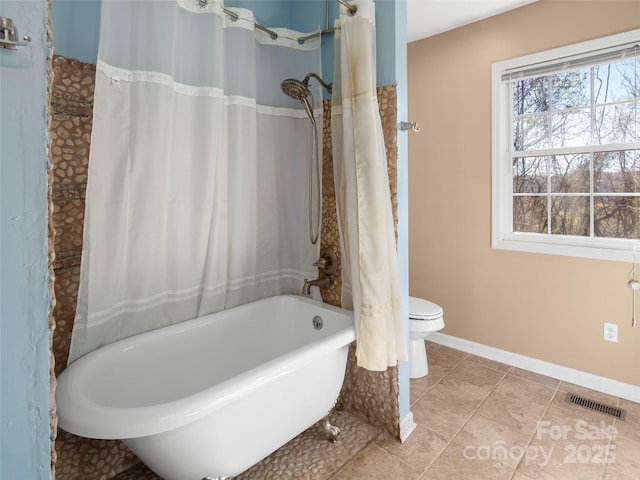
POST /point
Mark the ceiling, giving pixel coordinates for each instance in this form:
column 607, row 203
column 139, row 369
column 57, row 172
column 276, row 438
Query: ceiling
column 430, row 17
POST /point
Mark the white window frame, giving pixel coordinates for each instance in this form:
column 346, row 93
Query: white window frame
column 502, row 234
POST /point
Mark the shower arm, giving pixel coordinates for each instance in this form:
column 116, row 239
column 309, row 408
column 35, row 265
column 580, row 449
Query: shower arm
column 328, row 86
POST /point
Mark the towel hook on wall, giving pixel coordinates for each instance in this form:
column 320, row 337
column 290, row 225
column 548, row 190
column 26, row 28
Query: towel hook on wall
column 9, row 35
column 413, row 126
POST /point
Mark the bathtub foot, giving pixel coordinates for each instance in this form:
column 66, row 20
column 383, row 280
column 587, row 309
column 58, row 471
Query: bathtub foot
column 330, row 430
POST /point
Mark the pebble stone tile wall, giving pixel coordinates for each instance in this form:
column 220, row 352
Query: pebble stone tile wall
column 71, row 112
column 371, row 396
column 70, row 137
column 309, row 456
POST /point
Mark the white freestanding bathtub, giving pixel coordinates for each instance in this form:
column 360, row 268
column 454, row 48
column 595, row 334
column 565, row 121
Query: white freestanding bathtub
column 210, row 397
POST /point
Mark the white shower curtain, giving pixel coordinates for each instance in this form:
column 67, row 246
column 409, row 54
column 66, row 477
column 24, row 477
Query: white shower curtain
column 371, row 285
column 197, row 194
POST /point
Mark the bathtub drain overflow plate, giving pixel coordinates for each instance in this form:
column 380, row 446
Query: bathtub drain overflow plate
column 317, row 322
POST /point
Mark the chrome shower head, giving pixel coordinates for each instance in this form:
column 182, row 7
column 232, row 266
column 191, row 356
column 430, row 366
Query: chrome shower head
column 298, row 91
column 295, row 88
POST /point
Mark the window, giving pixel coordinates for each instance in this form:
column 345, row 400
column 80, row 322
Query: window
column 566, row 150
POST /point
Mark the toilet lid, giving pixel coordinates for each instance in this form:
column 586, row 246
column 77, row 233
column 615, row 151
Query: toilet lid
column 420, row 308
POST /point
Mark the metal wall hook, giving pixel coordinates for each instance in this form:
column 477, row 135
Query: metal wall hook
column 413, row 126
column 9, row 35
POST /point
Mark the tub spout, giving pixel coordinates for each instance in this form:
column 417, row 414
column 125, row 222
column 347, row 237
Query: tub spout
column 320, row 282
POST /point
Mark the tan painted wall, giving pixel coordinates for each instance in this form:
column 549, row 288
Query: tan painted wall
column 543, row 306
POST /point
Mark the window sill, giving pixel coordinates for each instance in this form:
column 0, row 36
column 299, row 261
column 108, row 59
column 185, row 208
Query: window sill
column 600, row 249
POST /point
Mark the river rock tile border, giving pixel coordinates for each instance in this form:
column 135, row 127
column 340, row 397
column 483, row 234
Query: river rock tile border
column 83, row 459
column 75, row 458
column 330, row 234
column 309, row 456
column 371, row 395
column 70, row 140
column 139, row 472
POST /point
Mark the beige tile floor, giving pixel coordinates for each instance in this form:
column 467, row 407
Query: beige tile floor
column 479, row 419
column 476, row 420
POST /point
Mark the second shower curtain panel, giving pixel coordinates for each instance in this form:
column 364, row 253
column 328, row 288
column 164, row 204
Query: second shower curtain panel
column 371, row 283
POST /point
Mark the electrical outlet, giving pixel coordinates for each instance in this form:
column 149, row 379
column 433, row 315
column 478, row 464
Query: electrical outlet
column 610, row 332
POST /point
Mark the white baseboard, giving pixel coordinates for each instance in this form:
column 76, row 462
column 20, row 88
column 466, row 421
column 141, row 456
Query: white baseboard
column 577, row 377
column 407, row 426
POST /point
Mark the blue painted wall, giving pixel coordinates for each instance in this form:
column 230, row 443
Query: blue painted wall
column 76, row 28
column 270, row 13
column 24, row 299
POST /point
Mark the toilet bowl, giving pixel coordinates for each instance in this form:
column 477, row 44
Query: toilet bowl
column 425, row 317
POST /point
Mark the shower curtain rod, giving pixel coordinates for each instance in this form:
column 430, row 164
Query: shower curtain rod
column 352, row 11
column 352, row 8
column 274, row 35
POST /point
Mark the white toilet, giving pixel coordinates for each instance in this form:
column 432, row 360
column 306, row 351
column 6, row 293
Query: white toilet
column 425, row 317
